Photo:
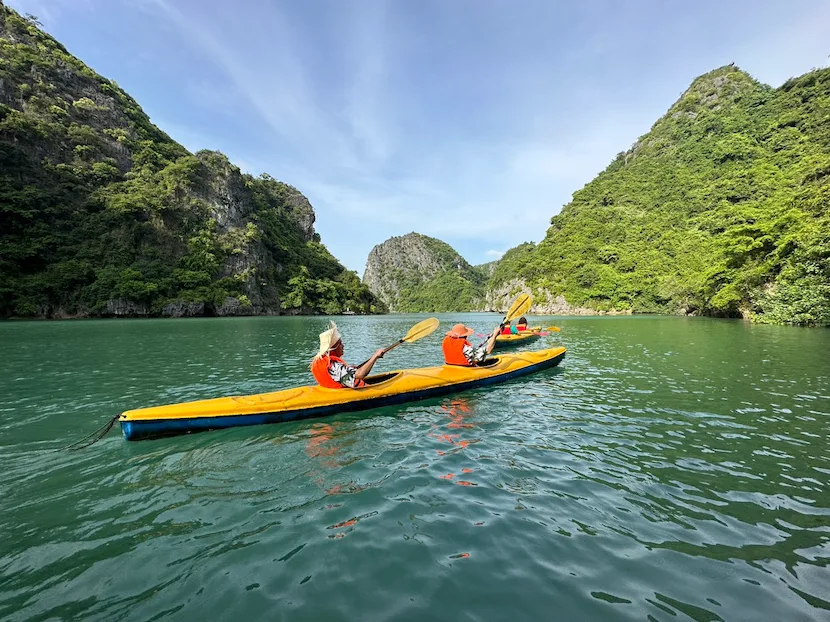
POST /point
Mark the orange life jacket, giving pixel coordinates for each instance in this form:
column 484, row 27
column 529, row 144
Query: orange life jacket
column 505, row 330
column 521, row 327
column 454, row 351
column 320, row 371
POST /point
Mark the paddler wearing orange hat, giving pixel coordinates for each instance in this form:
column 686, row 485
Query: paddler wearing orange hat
column 331, row 371
column 459, row 351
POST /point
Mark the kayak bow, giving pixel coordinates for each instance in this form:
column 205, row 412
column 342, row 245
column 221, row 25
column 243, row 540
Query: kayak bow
column 394, row 387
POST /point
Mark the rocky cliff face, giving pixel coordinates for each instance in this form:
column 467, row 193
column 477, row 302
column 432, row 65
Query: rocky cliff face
column 398, row 257
column 414, row 273
column 499, row 298
column 230, row 204
column 104, row 214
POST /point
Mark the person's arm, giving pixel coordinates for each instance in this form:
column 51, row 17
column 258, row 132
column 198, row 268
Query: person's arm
column 491, row 342
column 474, row 354
column 478, row 354
column 364, row 369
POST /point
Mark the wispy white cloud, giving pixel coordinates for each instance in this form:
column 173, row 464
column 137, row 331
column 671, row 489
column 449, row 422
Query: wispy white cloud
column 362, row 145
column 49, row 12
column 44, row 11
column 268, row 69
column 365, row 111
column 494, row 254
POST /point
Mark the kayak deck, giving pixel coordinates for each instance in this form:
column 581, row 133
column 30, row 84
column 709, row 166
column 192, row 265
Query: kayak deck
column 509, row 341
column 314, row 401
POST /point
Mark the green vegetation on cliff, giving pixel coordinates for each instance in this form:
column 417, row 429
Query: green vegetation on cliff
column 449, row 291
column 722, row 209
column 101, row 213
column 417, row 273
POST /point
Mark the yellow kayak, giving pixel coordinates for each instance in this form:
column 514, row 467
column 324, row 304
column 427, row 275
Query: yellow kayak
column 508, row 341
column 305, row 402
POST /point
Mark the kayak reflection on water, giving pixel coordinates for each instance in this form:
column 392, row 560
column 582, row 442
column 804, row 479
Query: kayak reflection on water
column 318, row 445
column 457, row 409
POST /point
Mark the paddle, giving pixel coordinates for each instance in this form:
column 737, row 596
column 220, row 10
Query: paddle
column 419, row 331
column 519, row 307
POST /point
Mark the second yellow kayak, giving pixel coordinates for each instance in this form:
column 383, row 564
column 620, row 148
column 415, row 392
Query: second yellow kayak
column 509, row 341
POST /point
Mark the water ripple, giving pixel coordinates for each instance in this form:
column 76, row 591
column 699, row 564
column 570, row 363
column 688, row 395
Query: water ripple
column 669, row 469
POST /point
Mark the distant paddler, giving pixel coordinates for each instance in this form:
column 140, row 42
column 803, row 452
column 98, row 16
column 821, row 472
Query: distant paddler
column 514, row 329
column 332, row 372
column 510, row 329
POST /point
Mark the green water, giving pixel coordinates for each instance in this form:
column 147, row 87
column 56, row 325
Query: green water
column 669, row 469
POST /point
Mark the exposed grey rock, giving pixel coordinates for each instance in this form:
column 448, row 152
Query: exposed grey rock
column 544, row 302
column 487, row 269
column 302, row 213
column 231, row 206
column 410, row 259
column 233, row 306
column 181, row 308
column 223, row 190
column 126, row 308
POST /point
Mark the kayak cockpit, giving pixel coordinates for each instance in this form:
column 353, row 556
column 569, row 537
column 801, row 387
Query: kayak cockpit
column 373, row 381
column 484, row 363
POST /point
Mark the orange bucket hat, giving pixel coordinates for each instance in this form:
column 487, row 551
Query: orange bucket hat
column 459, row 330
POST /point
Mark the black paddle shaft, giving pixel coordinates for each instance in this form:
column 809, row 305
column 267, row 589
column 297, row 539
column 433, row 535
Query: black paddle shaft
column 385, row 350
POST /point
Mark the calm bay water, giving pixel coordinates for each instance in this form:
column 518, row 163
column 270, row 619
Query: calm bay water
column 669, row 469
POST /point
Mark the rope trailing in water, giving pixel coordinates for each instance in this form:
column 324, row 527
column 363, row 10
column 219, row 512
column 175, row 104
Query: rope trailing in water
column 95, row 436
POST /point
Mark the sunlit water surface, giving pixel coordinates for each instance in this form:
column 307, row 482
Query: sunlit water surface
column 669, row 469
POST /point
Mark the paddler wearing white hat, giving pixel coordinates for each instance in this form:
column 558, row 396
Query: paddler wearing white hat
column 331, row 371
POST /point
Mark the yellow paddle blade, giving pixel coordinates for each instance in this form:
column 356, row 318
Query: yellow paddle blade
column 555, row 329
column 519, row 307
column 421, row 330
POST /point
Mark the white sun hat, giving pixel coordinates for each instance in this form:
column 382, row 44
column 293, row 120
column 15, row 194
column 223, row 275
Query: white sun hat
column 328, row 339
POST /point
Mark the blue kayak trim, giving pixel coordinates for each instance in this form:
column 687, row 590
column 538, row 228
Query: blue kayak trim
column 154, row 428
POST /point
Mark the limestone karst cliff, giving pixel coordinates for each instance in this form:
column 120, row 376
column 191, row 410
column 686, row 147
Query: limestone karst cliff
column 102, row 213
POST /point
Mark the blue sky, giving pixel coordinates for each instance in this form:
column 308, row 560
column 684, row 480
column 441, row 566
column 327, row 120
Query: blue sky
column 470, row 120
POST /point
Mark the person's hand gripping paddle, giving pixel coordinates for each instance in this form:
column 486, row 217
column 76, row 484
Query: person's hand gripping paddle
column 519, row 307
